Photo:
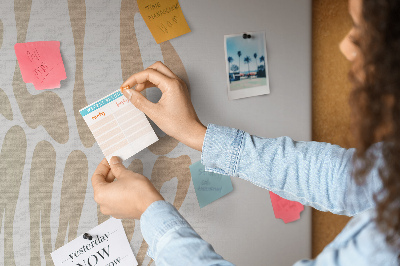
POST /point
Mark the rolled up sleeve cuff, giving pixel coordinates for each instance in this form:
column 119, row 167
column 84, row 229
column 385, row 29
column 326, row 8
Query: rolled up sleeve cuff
column 159, row 218
column 222, row 148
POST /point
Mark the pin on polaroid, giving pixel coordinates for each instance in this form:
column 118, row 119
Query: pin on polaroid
column 246, row 65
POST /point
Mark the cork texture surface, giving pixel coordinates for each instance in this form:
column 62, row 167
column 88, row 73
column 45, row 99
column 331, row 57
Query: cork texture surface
column 330, row 99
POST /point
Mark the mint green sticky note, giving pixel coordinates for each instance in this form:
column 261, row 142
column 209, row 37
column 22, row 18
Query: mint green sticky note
column 209, row 186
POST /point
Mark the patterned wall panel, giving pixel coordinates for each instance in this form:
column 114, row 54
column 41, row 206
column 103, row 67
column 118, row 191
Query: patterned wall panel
column 46, row 145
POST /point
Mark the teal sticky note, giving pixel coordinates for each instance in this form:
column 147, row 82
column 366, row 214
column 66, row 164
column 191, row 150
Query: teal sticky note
column 209, row 186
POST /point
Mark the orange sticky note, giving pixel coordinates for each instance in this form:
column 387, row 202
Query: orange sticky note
column 41, row 63
column 164, row 18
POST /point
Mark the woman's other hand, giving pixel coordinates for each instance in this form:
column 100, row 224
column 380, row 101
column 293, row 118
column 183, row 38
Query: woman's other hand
column 174, row 112
column 127, row 197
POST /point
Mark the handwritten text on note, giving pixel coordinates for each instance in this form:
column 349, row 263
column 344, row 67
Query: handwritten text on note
column 209, row 186
column 41, row 64
column 164, row 18
column 287, row 210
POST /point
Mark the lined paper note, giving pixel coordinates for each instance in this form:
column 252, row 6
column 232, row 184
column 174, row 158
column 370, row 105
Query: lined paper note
column 119, row 128
column 41, row 64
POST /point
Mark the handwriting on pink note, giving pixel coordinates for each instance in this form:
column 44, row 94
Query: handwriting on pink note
column 288, row 211
column 41, row 63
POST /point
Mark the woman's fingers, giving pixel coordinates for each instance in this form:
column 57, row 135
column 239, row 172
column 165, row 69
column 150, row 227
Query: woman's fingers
column 159, row 80
column 110, row 177
column 174, row 113
column 142, row 86
column 160, row 67
column 141, row 102
column 100, row 175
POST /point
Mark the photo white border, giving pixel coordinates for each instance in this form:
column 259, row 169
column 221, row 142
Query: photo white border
column 248, row 92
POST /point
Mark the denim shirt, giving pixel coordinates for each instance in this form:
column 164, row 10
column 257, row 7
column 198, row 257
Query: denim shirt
column 312, row 173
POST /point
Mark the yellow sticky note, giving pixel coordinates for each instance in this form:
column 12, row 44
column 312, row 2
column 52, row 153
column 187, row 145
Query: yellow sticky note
column 164, row 18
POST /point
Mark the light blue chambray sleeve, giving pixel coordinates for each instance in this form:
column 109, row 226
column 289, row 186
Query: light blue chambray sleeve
column 360, row 243
column 312, row 173
column 172, row 241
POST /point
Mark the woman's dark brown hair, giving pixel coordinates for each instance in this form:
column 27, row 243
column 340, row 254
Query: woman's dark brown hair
column 375, row 102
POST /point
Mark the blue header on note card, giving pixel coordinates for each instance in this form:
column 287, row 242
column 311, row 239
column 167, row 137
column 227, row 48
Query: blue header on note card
column 102, row 102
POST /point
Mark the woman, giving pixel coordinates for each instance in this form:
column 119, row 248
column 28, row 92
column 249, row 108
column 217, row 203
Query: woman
column 316, row 174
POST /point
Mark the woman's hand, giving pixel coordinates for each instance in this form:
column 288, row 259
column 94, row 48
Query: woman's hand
column 127, row 197
column 174, row 112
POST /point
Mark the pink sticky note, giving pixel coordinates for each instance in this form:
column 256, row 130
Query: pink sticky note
column 41, row 63
column 288, row 211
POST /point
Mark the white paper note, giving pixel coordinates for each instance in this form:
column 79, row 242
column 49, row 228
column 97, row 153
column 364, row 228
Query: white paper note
column 108, row 247
column 118, row 126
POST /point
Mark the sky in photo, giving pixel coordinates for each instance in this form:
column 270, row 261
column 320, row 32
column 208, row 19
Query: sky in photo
column 256, row 44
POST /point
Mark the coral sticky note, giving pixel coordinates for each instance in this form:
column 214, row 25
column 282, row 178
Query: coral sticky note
column 41, row 63
column 288, row 211
column 164, row 18
column 209, row 186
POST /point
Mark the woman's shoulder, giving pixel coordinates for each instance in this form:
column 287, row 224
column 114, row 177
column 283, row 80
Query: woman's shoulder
column 365, row 240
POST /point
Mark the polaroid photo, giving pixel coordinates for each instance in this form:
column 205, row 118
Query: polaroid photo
column 246, row 65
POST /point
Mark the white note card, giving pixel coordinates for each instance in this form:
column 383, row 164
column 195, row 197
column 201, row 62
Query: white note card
column 118, row 126
column 108, row 247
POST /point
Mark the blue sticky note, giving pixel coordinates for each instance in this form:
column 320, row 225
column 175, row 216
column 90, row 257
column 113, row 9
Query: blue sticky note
column 209, row 186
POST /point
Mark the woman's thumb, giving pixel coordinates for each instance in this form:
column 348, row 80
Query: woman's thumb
column 138, row 100
column 116, row 166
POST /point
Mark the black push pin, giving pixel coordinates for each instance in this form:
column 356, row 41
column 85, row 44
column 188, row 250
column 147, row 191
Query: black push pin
column 246, row 36
column 87, row 236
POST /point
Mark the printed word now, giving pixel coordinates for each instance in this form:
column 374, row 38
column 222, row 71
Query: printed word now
column 95, row 258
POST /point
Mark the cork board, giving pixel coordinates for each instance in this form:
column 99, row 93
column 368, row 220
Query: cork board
column 331, row 88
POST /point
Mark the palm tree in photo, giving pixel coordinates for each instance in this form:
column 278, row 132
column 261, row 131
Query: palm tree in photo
column 247, row 61
column 262, row 59
column 230, row 60
column 234, row 68
column 239, row 55
column 255, row 60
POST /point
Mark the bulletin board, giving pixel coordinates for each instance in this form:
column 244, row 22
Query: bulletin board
column 48, row 154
